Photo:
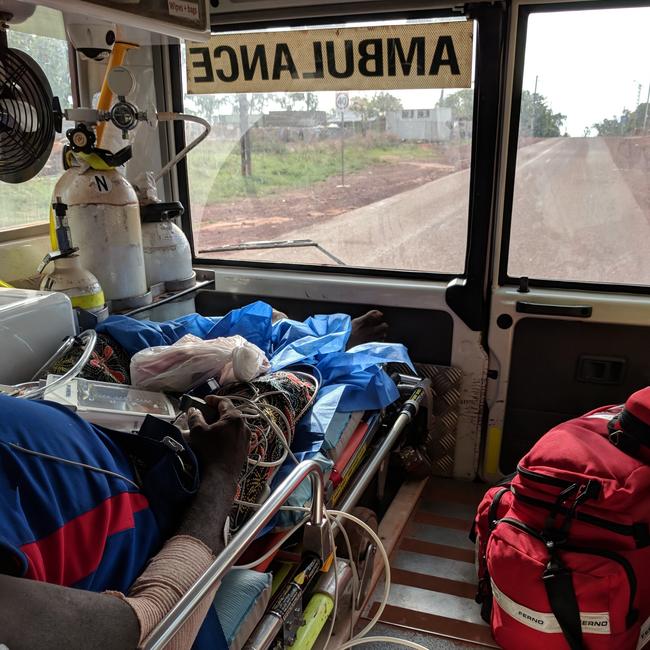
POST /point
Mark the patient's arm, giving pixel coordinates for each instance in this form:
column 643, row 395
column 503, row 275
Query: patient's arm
column 40, row 615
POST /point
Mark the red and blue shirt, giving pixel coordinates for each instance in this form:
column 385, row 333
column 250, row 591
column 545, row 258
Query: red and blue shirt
column 76, row 526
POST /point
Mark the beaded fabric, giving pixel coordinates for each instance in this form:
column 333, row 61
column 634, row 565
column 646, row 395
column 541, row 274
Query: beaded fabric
column 109, row 362
column 271, row 403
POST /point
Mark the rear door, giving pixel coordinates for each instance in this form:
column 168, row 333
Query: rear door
column 570, row 310
column 347, row 201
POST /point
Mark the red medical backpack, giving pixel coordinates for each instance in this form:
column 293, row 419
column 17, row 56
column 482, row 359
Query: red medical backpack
column 564, row 545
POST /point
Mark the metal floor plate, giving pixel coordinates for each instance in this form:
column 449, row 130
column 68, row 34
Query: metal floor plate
column 433, row 574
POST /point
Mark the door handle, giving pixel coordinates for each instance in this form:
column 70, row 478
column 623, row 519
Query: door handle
column 542, row 309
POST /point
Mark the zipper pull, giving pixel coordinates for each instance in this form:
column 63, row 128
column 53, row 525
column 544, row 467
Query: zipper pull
column 172, row 444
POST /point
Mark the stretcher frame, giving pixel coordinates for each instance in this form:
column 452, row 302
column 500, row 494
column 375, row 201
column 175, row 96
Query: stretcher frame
column 179, row 614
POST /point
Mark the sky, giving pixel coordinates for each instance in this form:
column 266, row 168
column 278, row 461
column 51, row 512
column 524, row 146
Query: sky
column 589, row 64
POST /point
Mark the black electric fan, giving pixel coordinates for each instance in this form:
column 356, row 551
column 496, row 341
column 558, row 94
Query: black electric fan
column 27, row 115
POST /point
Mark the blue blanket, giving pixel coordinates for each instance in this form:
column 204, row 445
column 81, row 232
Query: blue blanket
column 352, row 380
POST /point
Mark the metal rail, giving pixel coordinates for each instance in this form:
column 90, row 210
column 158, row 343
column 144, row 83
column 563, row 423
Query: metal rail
column 169, row 297
column 268, row 628
column 174, row 620
column 368, row 469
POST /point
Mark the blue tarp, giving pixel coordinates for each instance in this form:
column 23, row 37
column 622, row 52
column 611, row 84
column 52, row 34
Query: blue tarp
column 352, row 380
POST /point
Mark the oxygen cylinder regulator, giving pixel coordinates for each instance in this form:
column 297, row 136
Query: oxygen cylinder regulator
column 103, row 211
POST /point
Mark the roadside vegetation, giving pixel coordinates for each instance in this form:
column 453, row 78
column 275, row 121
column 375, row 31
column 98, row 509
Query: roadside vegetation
column 215, row 167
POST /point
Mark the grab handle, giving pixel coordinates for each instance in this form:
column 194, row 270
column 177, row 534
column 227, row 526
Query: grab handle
column 542, row 309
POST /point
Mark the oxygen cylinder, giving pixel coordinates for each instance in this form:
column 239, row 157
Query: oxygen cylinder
column 68, row 276
column 80, row 285
column 167, row 253
column 104, row 221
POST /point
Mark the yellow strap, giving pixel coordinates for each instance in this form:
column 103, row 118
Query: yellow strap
column 94, row 161
column 54, row 243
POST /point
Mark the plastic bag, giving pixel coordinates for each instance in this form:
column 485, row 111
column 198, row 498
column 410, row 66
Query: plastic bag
column 191, row 361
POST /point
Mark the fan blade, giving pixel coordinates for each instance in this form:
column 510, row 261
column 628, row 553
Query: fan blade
column 17, row 114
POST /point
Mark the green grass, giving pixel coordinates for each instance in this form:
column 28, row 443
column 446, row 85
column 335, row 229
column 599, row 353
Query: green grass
column 215, row 173
column 26, row 203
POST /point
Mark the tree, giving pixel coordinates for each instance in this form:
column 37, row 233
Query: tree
column 537, row 119
column 51, row 54
column 208, row 106
column 258, row 102
column 461, row 104
column 376, row 106
column 381, row 103
column 361, row 106
column 628, row 123
column 311, row 101
column 288, row 101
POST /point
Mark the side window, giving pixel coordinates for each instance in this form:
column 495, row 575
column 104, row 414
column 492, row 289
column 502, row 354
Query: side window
column 581, row 198
column 288, row 177
column 28, row 203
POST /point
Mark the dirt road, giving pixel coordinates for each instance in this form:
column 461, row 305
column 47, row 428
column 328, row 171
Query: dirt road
column 575, row 217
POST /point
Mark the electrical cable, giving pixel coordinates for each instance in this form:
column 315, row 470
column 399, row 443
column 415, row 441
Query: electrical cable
column 66, row 461
column 382, row 639
column 171, row 117
column 356, row 583
column 384, row 556
column 318, row 381
column 91, row 340
column 330, row 531
column 359, row 638
column 272, row 425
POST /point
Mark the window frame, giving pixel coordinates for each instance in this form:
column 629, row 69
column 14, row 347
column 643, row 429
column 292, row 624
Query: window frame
column 482, row 171
column 525, row 11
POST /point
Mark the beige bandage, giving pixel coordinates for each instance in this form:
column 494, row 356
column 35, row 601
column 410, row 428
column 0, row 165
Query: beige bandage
column 167, row 577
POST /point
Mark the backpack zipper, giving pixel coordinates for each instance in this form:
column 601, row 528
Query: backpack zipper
column 543, row 478
column 639, row 532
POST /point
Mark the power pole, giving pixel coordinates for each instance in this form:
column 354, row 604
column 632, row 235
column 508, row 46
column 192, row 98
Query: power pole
column 647, row 103
column 534, row 112
column 245, row 137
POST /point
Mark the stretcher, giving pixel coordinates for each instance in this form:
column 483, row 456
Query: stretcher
column 300, row 612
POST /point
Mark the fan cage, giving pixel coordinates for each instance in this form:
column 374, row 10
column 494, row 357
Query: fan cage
column 27, row 120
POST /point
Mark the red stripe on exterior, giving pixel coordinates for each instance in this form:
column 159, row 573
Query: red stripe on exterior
column 75, row 550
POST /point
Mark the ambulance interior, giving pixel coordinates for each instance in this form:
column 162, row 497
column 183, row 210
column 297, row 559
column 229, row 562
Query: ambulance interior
column 504, row 243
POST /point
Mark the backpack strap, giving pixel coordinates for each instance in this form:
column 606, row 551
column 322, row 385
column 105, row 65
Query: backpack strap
column 628, row 432
column 484, row 591
column 562, row 599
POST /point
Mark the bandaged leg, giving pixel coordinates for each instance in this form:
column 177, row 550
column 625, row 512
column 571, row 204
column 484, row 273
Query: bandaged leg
column 167, row 577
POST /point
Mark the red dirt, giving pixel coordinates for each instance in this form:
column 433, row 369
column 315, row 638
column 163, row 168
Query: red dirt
column 269, row 217
column 632, row 156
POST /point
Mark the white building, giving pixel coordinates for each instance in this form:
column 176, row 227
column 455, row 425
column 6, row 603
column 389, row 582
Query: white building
column 425, row 124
